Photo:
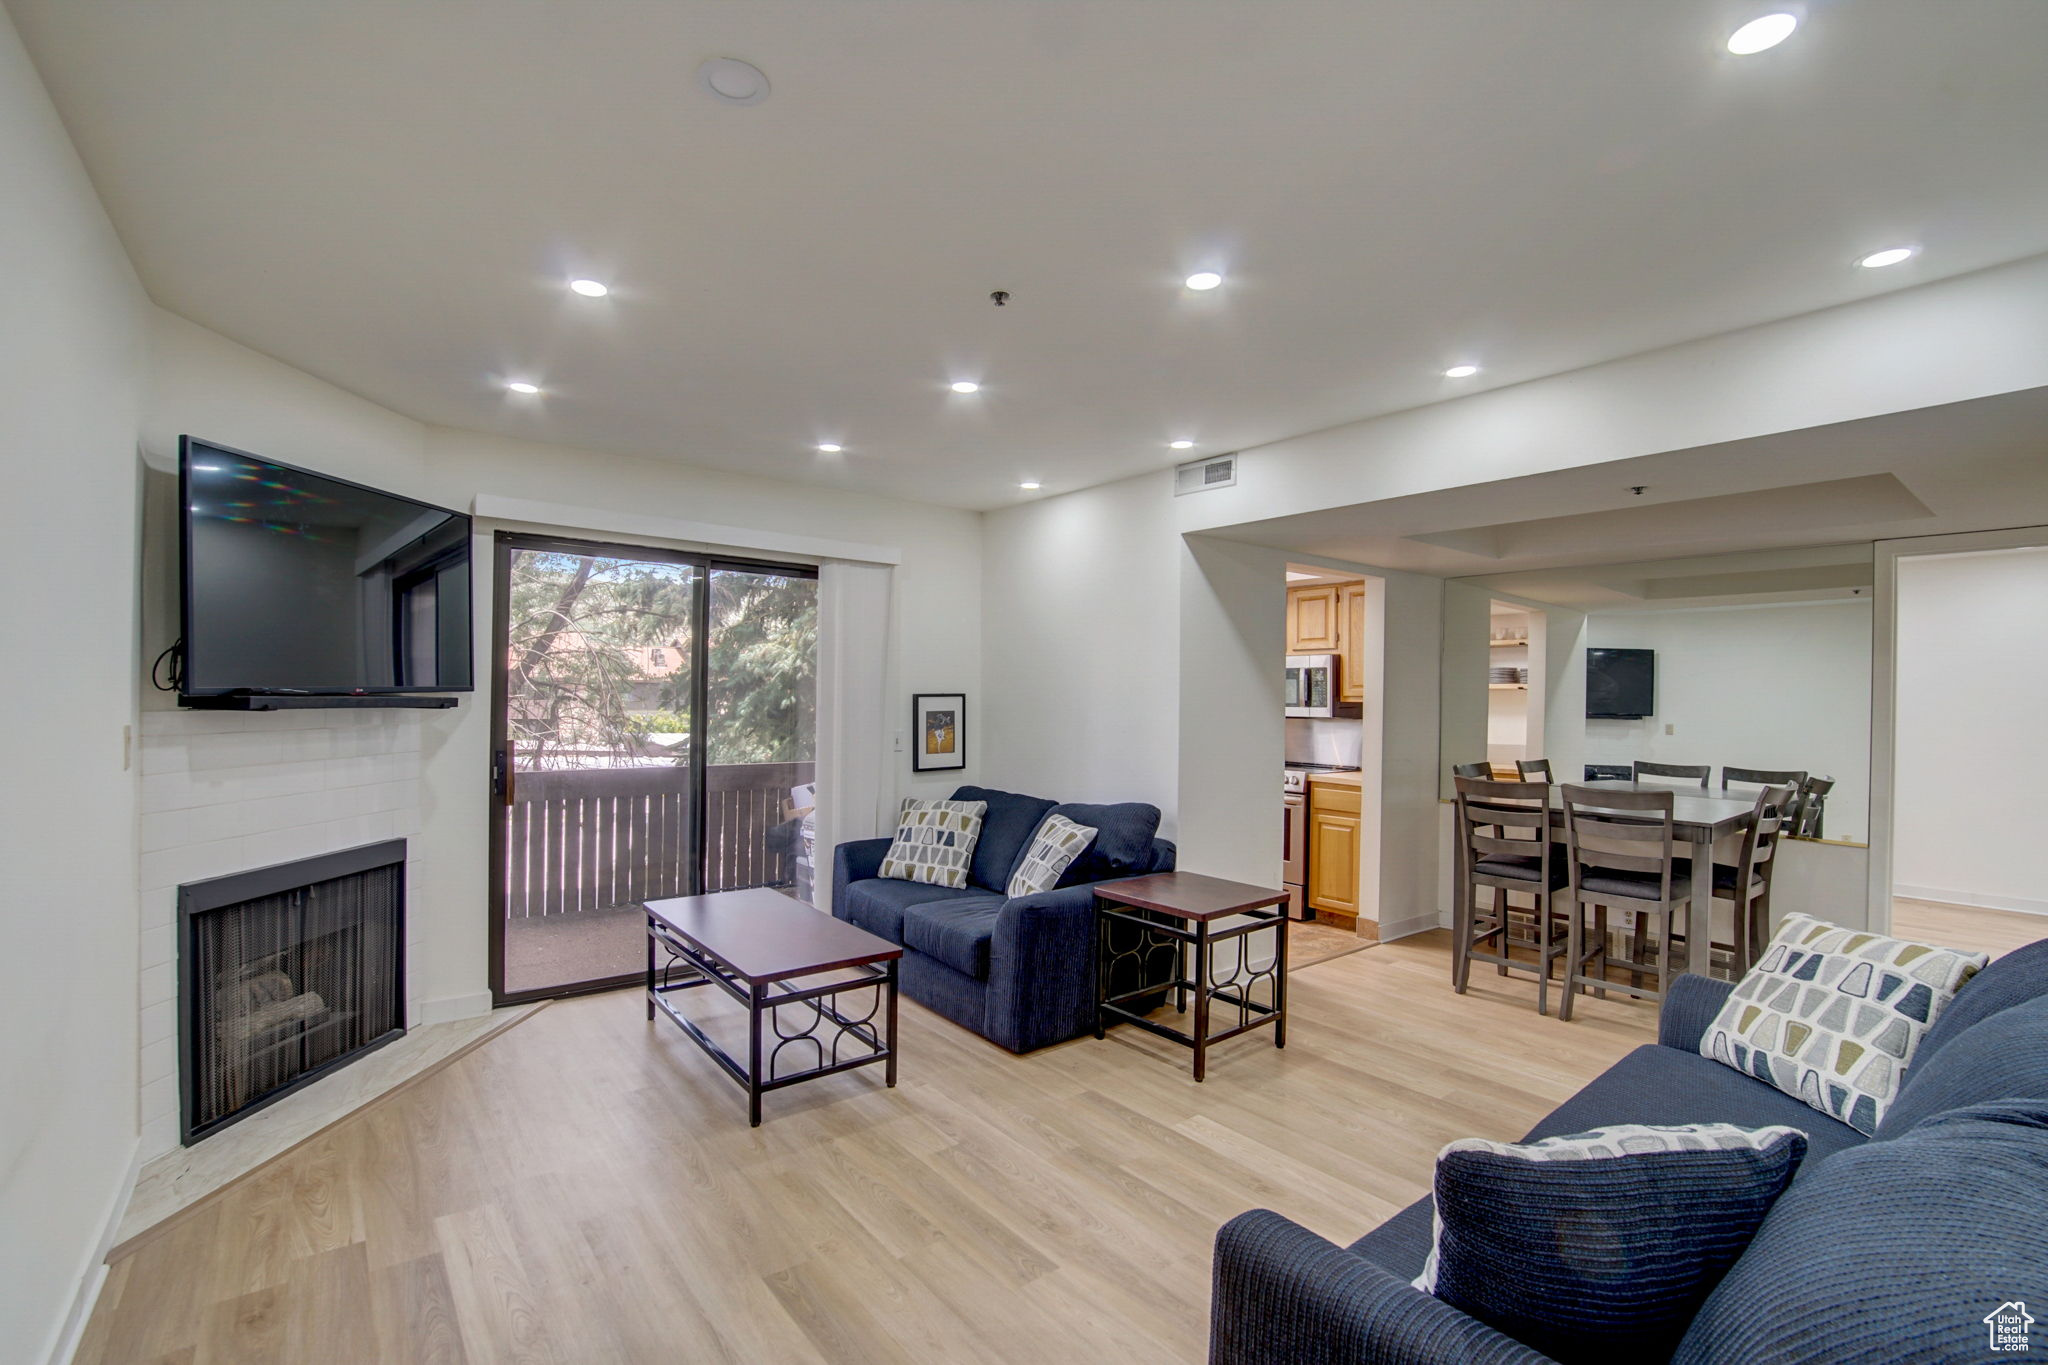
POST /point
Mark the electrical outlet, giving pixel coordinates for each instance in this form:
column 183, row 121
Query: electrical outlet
column 1669, row 728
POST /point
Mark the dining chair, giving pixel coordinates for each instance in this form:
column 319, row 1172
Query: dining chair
column 1621, row 852
column 1769, row 777
column 1479, row 770
column 1507, row 845
column 1746, row 883
column 1680, row 770
column 1534, row 769
column 1813, row 807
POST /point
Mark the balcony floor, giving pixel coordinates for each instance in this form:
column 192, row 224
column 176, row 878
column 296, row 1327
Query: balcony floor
column 545, row 951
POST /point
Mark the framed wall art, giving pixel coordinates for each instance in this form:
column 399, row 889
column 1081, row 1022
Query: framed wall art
column 938, row 727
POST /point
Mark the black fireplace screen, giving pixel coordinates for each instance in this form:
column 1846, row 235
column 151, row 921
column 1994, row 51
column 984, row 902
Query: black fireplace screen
column 287, row 973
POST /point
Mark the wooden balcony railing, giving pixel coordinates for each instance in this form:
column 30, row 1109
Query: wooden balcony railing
column 584, row 839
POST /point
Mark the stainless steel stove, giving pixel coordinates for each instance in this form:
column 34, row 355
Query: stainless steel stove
column 1296, row 775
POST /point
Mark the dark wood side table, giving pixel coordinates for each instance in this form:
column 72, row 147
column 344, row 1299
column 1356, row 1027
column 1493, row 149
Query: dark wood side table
column 1178, row 910
column 756, row 946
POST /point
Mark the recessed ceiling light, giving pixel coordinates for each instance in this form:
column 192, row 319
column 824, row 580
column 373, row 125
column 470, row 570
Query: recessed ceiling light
column 1759, row 34
column 1461, row 371
column 732, row 81
column 827, row 448
column 1028, row 487
column 1204, row 279
column 1878, row 260
column 1180, row 445
column 966, row 386
column 521, row 386
column 590, row 289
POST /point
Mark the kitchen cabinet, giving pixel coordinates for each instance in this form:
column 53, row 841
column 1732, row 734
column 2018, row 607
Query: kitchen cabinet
column 1333, row 834
column 1312, row 619
column 1351, row 642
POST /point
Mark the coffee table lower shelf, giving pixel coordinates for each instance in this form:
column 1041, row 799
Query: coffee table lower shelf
column 873, row 1036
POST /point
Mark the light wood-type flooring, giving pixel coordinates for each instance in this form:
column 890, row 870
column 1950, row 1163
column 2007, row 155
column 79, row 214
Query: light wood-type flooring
column 584, row 1188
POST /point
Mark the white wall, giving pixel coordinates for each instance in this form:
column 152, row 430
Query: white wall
column 1972, row 663
column 71, row 361
column 1759, row 687
column 209, row 386
column 1081, row 604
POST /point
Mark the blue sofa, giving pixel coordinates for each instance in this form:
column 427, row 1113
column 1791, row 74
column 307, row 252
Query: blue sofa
column 1887, row 1247
column 1018, row 972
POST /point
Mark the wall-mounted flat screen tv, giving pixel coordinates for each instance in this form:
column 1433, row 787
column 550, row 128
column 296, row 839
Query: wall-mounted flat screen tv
column 1621, row 684
column 298, row 583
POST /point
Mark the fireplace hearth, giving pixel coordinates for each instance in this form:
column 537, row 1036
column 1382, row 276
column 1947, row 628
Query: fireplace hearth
column 285, row 974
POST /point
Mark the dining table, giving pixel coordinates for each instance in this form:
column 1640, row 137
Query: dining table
column 1701, row 819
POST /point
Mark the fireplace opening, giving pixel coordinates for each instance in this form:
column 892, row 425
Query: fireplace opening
column 286, row 974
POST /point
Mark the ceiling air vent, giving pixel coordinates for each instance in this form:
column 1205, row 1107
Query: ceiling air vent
column 1198, row 476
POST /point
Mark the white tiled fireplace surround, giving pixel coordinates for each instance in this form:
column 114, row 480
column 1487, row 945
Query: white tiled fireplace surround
column 227, row 791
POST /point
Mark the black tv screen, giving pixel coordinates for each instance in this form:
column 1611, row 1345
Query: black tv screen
column 1621, row 684
column 297, row 582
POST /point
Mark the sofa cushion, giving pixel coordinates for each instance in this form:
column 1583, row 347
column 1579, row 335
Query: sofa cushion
column 1650, row 1085
column 1056, row 843
column 877, row 905
column 1123, row 841
column 2003, row 1057
column 2019, row 976
column 935, row 842
column 1005, row 828
column 1898, row 1250
column 1664, row 1085
column 1833, row 1015
column 956, row 932
column 1601, row 1245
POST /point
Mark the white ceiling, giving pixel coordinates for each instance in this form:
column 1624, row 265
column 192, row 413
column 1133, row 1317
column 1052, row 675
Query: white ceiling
column 389, row 195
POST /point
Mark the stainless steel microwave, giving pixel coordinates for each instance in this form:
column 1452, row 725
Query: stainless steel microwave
column 1312, row 685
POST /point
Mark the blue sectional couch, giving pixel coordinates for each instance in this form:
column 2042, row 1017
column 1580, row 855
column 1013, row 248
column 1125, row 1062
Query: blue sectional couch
column 1889, row 1247
column 1018, row 972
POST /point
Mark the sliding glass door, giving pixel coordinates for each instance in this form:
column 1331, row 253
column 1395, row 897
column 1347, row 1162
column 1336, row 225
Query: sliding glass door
column 654, row 717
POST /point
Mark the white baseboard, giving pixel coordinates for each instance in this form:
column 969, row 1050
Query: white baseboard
column 1402, row 928
column 93, row 1276
column 2025, row 905
column 471, row 1006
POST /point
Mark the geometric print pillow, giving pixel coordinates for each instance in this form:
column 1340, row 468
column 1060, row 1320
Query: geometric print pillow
column 1601, row 1245
column 1832, row 1016
column 1058, row 842
column 934, row 842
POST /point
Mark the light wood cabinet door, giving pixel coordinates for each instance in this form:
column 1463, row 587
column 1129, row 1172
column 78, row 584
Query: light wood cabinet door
column 1312, row 619
column 1351, row 642
column 1333, row 861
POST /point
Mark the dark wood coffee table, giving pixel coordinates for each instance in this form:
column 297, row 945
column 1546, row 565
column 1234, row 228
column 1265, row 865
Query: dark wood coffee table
column 758, row 947
column 1174, row 910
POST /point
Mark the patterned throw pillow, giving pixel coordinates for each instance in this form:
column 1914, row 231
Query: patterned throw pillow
column 1601, row 1245
column 1058, row 842
column 934, row 842
column 1832, row 1016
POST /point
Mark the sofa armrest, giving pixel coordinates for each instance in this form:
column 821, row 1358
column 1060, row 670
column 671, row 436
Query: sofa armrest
column 1041, row 969
column 1689, row 1006
column 1284, row 1296
column 1164, row 855
column 858, row 861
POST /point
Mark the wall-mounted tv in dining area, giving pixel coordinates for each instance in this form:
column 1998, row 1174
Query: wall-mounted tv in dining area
column 299, row 583
column 1621, row 684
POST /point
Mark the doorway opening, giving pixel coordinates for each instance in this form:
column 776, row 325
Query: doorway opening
column 654, row 718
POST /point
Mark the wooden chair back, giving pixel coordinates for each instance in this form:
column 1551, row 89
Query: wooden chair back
column 1511, row 818
column 1534, row 769
column 1480, row 770
column 1620, row 831
column 1763, row 777
column 1685, row 771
